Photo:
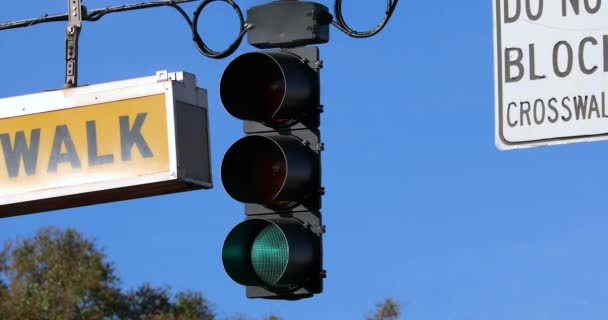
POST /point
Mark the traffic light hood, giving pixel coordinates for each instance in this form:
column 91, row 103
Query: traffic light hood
column 270, row 87
column 277, row 253
column 268, row 170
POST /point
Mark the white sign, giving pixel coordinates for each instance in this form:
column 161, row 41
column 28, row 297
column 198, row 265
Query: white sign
column 551, row 72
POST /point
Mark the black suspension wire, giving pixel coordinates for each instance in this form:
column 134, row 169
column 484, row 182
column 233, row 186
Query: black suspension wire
column 341, row 24
column 31, row 22
column 92, row 16
column 97, row 14
column 192, row 23
column 200, row 44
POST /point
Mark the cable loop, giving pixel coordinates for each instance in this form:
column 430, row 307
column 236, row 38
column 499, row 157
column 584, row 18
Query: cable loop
column 341, row 24
column 200, row 44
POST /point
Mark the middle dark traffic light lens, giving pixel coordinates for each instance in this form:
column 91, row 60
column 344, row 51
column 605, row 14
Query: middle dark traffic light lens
column 269, row 170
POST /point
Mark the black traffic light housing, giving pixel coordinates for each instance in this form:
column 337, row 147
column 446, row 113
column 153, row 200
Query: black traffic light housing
column 276, row 171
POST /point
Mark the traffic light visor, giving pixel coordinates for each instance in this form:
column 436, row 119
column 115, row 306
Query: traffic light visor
column 274, row 253
column 270, row 170
column 269, row 87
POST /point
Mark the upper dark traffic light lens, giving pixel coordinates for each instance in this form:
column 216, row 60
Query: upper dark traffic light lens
column 270, row 170
column 253, row 83
column 274, row 88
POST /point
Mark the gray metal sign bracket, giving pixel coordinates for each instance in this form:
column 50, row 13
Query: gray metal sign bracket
column 72, row 34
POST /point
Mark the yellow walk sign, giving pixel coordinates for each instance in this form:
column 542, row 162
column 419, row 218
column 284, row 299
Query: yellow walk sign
column 84, row 145
column 103, row 143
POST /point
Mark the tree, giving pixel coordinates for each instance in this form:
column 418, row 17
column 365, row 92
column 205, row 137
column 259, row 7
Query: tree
column 156, row 304
column 57, row 275
column 192, row 305
column 3, row 287
column 61, row 275
column 387, row 310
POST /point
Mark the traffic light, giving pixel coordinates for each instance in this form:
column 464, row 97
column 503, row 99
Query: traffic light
column 276, row 171
column 277, row 252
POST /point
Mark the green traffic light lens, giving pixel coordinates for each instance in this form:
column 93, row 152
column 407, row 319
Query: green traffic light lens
column 270, row 255
column 277, row 254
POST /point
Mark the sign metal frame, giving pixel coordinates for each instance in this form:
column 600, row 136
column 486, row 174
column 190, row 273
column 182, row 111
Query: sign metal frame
column 189, row 154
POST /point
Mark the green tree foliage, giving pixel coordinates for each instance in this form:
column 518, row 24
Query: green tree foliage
column 192, row 305
column 60, row 275
column 57, row 275
column 387, row 310
column 3, row 287
column 242, row 316
column 157, row 304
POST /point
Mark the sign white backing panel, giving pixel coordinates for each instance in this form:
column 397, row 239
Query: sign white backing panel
column 551, row 72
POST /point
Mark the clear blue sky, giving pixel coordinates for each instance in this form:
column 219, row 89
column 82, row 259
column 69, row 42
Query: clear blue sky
column 420, row 205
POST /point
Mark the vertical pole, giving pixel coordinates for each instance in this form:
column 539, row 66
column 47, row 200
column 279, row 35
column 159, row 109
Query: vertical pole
column 72, row 33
